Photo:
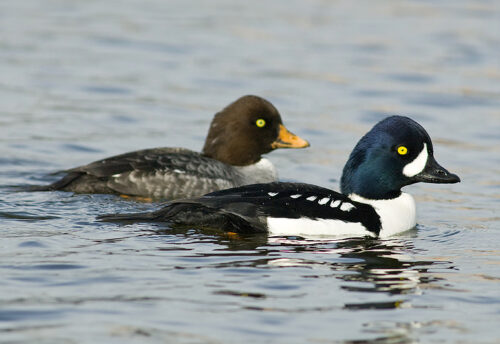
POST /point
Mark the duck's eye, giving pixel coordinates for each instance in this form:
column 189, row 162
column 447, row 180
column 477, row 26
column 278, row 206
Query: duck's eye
column 402, row 150
column 260, row 123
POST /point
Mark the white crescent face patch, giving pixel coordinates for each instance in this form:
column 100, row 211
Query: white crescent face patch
column 418, row 164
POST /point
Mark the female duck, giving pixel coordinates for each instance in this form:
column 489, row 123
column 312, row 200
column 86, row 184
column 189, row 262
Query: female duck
column 232, row 156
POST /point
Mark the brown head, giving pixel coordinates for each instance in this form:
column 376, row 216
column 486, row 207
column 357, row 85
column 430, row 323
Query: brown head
column 246, row 129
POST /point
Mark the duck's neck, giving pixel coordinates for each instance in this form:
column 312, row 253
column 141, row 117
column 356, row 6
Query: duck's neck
column 396, row 214
column 369, row 185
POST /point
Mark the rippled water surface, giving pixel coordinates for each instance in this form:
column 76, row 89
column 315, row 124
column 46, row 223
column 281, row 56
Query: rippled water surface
column 82, row 80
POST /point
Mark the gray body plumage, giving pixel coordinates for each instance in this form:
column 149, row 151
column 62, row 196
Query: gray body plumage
column 161, row 173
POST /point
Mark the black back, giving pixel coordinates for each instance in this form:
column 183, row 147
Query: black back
column 156, row 159
column 250, row 205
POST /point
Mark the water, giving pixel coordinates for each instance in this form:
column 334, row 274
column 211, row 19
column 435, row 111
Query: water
column 82, row 80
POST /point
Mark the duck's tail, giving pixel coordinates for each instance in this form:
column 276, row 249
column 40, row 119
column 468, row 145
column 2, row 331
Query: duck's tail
column 191, row 213
column 30, row 188
column 146, row 217
column 57, row 185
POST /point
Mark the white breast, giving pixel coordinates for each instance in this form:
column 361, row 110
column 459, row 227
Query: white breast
column 396, row 215
column 261, row 172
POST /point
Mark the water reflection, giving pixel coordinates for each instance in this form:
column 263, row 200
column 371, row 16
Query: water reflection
column 363, row 265
column 375, row 266
column 273, row 275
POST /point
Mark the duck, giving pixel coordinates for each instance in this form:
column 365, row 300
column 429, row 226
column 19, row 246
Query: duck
column 232, row 156
column 395, row 153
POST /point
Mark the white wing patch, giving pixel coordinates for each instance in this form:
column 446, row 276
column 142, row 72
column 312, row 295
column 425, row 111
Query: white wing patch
column 295, row 196
column 335, row 204
column 418, row 164
column 323, row 200
column 272, row 194
column 311, row 198
column 347, row 206
column 176, row 170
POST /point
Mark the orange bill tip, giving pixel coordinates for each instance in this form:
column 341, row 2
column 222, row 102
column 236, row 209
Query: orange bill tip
column 286, row 139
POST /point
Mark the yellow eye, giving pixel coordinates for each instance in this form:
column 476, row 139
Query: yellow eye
column 260, row 122
column 402, row 150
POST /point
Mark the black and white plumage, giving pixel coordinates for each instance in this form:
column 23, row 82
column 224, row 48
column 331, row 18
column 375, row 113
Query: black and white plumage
column 250, row 208
column 232, row 156
column 395, row 153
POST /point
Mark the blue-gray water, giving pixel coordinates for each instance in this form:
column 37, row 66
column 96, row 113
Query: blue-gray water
column 82, row 80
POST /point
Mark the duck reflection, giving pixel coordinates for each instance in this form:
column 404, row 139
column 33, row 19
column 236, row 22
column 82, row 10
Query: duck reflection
column 367, row 265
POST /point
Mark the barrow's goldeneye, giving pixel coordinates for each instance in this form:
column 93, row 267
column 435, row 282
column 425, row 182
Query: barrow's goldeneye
column 395, row 153
column 232, row 156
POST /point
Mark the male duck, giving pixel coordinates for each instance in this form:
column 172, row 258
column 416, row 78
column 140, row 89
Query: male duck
column 395, row 153
column 232, row 156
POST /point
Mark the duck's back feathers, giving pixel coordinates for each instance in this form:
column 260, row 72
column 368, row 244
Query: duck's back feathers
column 146, row 159
column 159, row 173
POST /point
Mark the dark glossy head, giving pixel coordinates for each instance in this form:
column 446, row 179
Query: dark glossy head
column 246, row 129
column 395, row 153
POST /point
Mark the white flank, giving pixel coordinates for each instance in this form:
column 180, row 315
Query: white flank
column 314, row 227
column 323, row 201
column 179, row 171
column 418, row 164
column 295, row 196
column 272, row 194
column 311, row 198
column 396, row 215
column 116, row 175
